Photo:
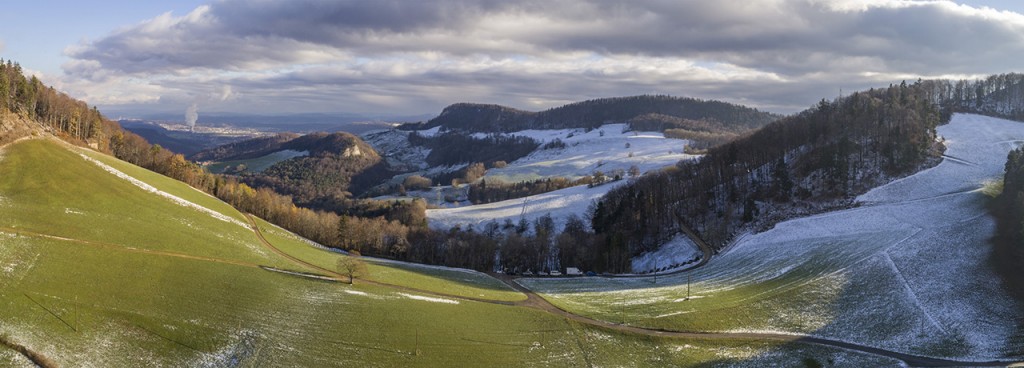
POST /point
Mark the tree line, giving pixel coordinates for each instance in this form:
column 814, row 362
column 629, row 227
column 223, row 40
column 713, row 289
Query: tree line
column 1008, row 208
column 999, row 95
column 590, row 114
column 74, row 120
column 454, row 148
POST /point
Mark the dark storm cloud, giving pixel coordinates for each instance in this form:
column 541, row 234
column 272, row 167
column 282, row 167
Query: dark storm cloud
column 777, row 53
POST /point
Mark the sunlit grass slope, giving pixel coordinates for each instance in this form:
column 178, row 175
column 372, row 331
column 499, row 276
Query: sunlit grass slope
column 434, row 279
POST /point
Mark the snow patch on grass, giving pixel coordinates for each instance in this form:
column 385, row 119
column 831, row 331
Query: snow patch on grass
column 560, row 204
column 429, row 299
column 151, row 189
column 69, row 211
column 384, row 261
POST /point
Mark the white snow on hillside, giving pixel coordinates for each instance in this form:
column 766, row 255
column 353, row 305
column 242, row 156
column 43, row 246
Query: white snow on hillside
column 907, row 271
column 393, row 145
column 560, row 204
column 608, row 148
column 669, row 256
column 151, row 189
column 429, row 132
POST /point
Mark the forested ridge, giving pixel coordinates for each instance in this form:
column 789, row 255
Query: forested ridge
column 249, row 148
column 591, row 114
column 325, row 175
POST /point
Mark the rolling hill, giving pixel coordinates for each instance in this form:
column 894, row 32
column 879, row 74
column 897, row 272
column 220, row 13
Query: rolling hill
column 105, row 263
column 125, row 267
column 676, row 111
column 313, row 168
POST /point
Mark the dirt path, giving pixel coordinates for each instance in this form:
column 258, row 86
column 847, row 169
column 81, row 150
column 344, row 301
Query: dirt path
column 535, row 301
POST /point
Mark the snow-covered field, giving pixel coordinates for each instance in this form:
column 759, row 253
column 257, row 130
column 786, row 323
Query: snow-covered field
column 906, row 271
column 607, row 149
column 560, row 204
column 669, row 256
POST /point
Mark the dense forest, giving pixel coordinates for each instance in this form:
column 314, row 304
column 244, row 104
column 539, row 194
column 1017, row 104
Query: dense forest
column 485, row 191
column 1008, row 208
column 453, row 148
column 27, row 98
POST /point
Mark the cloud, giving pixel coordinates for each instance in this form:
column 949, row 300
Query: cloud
column 391, row 54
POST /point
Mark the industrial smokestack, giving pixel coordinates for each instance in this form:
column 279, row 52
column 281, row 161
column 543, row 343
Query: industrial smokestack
column 191, row 115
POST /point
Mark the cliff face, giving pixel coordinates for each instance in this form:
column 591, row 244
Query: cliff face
column 13, row 127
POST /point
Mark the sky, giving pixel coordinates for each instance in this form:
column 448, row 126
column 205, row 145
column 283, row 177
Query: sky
column 396, row 57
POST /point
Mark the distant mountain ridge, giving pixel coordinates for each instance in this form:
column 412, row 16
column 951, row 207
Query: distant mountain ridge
column 316, row 143
column 487, row 118
column 249, row 148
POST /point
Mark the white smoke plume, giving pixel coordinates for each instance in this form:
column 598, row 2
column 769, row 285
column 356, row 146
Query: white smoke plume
column 191, row 115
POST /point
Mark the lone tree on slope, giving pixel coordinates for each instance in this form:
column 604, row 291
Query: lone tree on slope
column 353, row 266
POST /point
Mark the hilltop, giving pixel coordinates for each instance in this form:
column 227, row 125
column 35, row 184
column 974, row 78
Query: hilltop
column 674, row 112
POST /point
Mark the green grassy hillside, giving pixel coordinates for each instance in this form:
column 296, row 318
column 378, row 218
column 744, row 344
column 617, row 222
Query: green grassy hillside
column 97, row 271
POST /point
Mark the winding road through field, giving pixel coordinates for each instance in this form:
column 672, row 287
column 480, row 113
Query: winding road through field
column 535, row 301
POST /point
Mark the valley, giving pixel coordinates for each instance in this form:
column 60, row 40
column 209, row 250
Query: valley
column 127, row 297
column 111, row 292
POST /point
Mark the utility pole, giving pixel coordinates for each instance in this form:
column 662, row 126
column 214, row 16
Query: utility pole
column 687, row 286
column 522, row 215
column 76, row 313
column 657, row 263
